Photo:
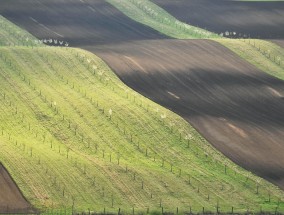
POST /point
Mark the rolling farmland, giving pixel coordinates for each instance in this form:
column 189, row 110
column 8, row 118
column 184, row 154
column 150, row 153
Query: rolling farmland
column 136, row 51
column 75, row 138
column 260, row 19
column 73, row 128
column 231, row 109
column 99, row 23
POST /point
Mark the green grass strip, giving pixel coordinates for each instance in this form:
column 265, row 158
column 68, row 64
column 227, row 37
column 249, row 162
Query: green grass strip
column 150, row 14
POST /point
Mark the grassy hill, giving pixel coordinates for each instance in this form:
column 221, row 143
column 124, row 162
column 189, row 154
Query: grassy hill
column 148, row 13
column 265, row 55
column 12, row 35
column 74, row 137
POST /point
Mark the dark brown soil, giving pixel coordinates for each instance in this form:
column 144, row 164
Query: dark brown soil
column 279, row 42
column 238, row 108
column 78, row 22
column 11, row 198
column 254, row 19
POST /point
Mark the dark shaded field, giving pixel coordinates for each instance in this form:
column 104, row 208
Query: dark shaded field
column 80, row 23
column 238, row 108
column 11, row 199
column 232, row 104
column 255, row 19
column 279, row 42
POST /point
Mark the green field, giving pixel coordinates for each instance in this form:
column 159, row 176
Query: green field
column 12, row 35
column 152, row 15
column 73, row 136
column 265, row 55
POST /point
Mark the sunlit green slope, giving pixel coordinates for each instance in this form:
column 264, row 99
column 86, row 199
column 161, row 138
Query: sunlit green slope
column 74, row 136
column 148, row 13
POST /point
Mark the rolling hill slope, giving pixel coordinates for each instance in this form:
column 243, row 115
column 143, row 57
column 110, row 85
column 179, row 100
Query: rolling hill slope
column 258, row 19
column 129, row 48
column 264, row 55
column 74, row 137
column 148, row 13
column 81, row 23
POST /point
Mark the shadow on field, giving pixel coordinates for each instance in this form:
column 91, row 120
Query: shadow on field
column 256, row 19
column 80, row 23
column 231, row 103
column 235, row 106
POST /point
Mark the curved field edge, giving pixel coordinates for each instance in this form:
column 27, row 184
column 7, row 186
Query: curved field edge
column 12, row 35
column 265, row 55
column 148, row 13
column 84, row 124
column 11, row 196
column 66, row 132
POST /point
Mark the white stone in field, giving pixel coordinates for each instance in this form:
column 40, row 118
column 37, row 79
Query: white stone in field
column 188, row 137
column 163, row 116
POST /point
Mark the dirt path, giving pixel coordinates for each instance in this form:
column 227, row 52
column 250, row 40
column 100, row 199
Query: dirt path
column 257, row 19
column 238, row 108
column 11, row 199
